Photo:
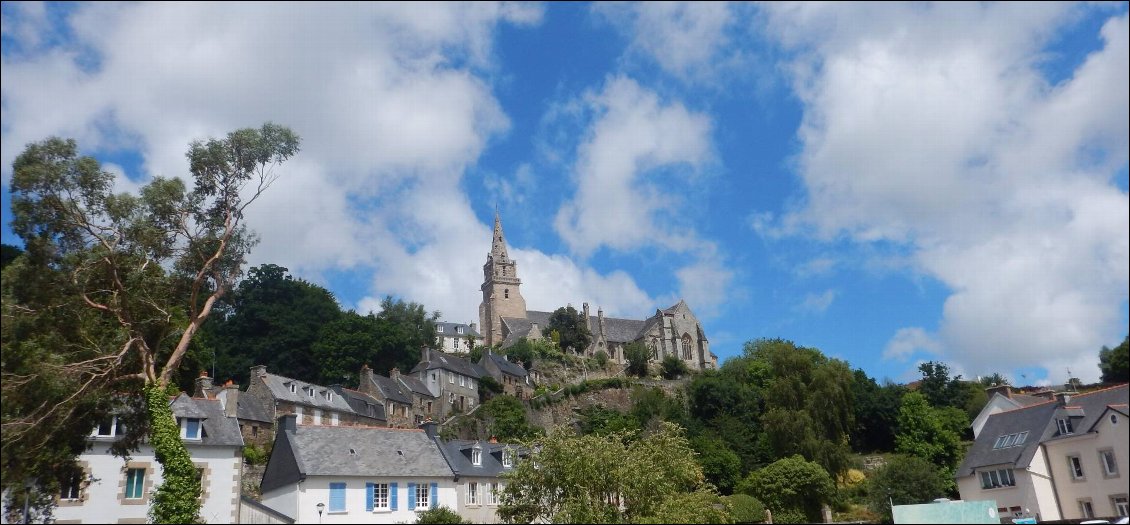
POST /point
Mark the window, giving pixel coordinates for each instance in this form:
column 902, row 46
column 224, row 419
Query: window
column 1064, row 425
column 439, row 328
column 1075, row 465
column 298, row 412
column 472, row 493
column 337, row 497
column 458, row 330
column 190, row 428
column 462, row 380
column 1021, row 438
column 1000, row 442
column 317, row 416
column 1121, row 507
column 334, row 419
column 421, row 495
column 135, row 483
column 1114, row 421
column 311, row 392
column 507, row 458
column 995, row 479
column 109, row 427
column 330, row 396
column 380, row 495
column 451, row 377
column 1086, row 509
column 293, row 388
column 71, row 487
column 1010, row 440
column 1110, row 465
column 476, row 456
column 492, row 494
column 506, row 292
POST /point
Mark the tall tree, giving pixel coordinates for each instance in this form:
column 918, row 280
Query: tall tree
column 932, row 434
column 876, row 413
column 149, row 268
column 572, row 328
column 904, row 480
column 1115, row 362
column 637, row 355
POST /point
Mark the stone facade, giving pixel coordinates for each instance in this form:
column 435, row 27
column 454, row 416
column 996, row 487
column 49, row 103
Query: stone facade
column 501, row 297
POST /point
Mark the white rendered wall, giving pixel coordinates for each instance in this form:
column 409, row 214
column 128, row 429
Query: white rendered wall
column 316, row 489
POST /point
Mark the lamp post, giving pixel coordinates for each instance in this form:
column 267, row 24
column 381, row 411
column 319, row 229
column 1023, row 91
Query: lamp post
column 321, row 507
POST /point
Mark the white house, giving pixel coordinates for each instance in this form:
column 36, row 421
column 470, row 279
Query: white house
column 111, row 490
column 1061, row 459
column 355, row 474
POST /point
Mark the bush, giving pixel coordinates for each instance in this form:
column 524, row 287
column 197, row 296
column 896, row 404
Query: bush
column 439, row 514
column 673, row 367
column 746, row 509
column 601, row 358
column 256, row 455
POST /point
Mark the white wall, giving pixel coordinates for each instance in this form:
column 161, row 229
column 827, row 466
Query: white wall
column 316, row 489
column 1096, row 485
column 100, row 498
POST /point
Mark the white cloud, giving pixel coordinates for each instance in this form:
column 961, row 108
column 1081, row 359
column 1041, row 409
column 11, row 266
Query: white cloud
column 684, row 38
column 706, row 285
column 817, row 303
column 909, row 341
column 933, row 127
column 617, row 203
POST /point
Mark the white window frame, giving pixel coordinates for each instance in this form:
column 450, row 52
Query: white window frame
column 473, row 493
column 141, row 492
column 1064, row 425
column 1086, row 508
column 1075, row 468
column 462, row 380
column 311, row 392
column 183, row 424
column 330, row 396
column 335, row 420
column 298, row 413
column 477, row 456
column 423, row 489
column 507, row 458
column 380, row 496
column 451, row 377
column 492, row 493
column 317, row 416
column 114, row 427
column 1020, row 439
column 293, row 388
column 1120, row 504
column 1109, row 462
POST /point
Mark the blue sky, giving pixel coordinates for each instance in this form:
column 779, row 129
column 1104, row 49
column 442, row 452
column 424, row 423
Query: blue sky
column 890, row 183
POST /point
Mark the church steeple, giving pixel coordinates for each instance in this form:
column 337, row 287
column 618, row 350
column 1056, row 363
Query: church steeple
column 501, row 297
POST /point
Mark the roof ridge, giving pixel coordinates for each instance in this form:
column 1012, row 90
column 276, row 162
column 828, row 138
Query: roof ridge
column 1123, row 385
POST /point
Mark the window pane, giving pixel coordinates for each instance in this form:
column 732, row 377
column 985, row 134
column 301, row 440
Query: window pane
column 135, row 483
column 192, row 428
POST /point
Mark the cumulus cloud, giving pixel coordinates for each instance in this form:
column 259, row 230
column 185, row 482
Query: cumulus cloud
column 909, row 341
column 817, row 303
column 933, row 126
column 618, row 202
column 684, row 38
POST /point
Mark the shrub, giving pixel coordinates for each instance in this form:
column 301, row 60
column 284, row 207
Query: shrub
column 673, row 367
column 601, row 358
column 439, row 514
column 746, row 509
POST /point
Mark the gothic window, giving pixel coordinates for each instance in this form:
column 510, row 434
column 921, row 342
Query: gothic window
column 506, row 293
column 686, row 346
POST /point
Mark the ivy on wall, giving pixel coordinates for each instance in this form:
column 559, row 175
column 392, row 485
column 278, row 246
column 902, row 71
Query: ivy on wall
column 177, row 498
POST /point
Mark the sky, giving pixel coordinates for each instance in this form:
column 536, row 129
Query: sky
column 890, row 183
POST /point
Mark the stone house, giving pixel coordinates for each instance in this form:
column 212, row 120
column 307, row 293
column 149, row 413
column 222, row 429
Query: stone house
column 513, row 377
column 401, row 406
column 112, row 490
column 452, row 380
column 312, row 404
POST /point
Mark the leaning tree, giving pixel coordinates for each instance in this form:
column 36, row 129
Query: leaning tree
column 113, row 288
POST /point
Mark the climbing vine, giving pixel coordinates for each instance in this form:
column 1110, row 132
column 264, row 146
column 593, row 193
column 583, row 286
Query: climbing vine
column 177, row 498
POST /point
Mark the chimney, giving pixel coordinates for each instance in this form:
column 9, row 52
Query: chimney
column 288, row 422
column 474, row 328
column 493, row 439
column 394, row 374
column 231, row 400
column 429, row 428
column 259, row 371
column 585, row 306
column 1004, row 390
column 1063, row 398
column 1046, row 394
column 203, row 385
column 600, row 319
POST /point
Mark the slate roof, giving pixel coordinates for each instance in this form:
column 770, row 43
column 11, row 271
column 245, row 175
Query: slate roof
column 416, row 386
column 449, row 329
column 377, row 452
column 505, row 365
column 458, row 454
column 280, row 390
column 250, row 408
column 219, row 430
column 1039, row 421
column 362, row 404
column 616, row 330
column 449, row 362
column 391, row 389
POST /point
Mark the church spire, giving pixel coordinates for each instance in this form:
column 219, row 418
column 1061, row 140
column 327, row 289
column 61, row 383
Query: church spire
column 498, row 247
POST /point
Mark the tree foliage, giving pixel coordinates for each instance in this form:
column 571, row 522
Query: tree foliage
column 1115, row 362
column 672, row 367
column 791, row 484
column 440, row 515
column 637, row 355
column 610, row 478
column 571, row 327
column 135, row 275
column 930, row 433
column 876, row 413
column 505, row 419
column 905, row 480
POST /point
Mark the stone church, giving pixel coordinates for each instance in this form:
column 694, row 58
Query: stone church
column 504, row 319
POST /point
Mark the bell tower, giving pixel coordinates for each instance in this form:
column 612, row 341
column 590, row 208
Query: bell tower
column 501, row 297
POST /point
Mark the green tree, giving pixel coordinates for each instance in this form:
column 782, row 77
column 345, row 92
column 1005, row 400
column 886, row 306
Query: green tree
column 791, row 485
column 406, row 329
column 1115, row 362
column 929, row 433
column 721, row 466
column 440, row 515
column 637, row 355
column 600, row 420
column 571, row 327
column 8, row 253
column 940, row 389
column 149, row 268
column 522, row 351
column 604, row 479
column 745, row 508
column 601, row 358
column 505, row 419
column 876, row 413
column 343, row 345
column 905, row 480
column 672, row 367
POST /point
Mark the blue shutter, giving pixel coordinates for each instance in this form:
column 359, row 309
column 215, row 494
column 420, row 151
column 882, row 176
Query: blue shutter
column 411, row 496
column 369, row 496
column 392, row 496
column 337, row 497
column 434, row 495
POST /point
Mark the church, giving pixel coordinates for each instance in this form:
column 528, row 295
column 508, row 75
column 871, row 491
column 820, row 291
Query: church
column 504, row 319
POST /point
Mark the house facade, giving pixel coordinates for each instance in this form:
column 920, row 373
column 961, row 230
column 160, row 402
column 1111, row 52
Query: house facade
column 456, row 338
column 453, row 380
column 1064, row 458
column 401, row 407
column 112, row 490
column 478, row 467
column 513, row 377
column 355, row 474
column 310, row 403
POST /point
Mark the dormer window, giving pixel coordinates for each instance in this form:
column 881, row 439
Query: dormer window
column 1064, row 425
column 293, row 388
column 311, row 392
column 439, row 328
column 191, row 428
column 477, row 456
column 329, row 396
column 458, row 329
column 109, row 427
